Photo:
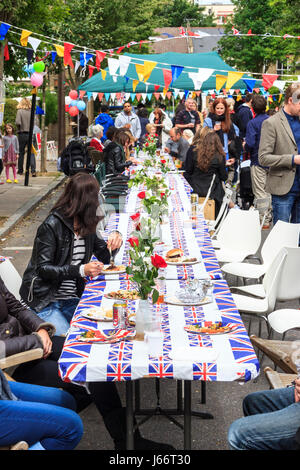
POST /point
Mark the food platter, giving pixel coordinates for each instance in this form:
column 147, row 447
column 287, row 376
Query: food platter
column 98, row 314
column 185, row 260
column 105, row 336
column 108, row 269
column 122, row 294
column 211, row 328
column 176, row 257
column 173, row 300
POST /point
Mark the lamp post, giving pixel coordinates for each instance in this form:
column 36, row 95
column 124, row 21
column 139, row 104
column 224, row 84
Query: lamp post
column 29, row 143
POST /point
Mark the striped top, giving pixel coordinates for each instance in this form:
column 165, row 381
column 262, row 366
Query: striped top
column 68, row 287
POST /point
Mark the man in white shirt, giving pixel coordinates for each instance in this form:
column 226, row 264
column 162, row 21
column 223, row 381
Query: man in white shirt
column 129, row 120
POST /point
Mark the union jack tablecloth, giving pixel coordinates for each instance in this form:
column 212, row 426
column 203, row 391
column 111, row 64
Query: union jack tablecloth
column 235, row 358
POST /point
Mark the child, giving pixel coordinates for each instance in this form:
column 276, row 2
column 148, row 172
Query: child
column 1, row 162
column 11, row 152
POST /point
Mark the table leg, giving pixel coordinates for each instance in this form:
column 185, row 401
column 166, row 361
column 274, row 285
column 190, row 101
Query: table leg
column 129, row 416
column 187, row 414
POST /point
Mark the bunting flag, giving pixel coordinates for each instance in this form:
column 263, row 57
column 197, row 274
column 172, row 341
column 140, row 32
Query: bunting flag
column 29, row 55
column 67, row 54
column 77, row 65
column 232, row 78
column 140, row 71
column 235, row 31
column 6, row 52
column 138, row 96
column 268, row 80
column 103, row 74
column 181, row 31
column 156, row 96
column 250, row 83
column 34, row 42
column 167, row 77
column 3, row 30
column 59, row 50
column 85, row 58
column 113, row 65
column 200, row 77
column 53, row 56
column 107, row 95
column 91, row 70
column 120, row 49
column 100, row 96
column 176, row 72
column 249, row 32
column 24, row 37
column 82, row 93
column 134, row 84
column 156, row 87
column 220, row 80
column 148, row 68
column 124, row 61
column 99, row 57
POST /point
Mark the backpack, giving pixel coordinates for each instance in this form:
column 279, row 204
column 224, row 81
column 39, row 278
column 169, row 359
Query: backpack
column 75, row 158
column 245, row 183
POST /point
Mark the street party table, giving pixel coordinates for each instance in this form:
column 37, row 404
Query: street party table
column 186, row 356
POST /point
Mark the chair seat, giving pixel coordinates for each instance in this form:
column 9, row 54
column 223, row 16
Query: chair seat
column 246, row 270
column 254, row 289
column 278, row 380
column 278, row 351
column 284, row 319
column 234, row 256
column 247, row 304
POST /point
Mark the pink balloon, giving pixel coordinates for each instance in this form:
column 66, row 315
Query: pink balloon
column 73, row 95
column 36, row 79
column 73, row 111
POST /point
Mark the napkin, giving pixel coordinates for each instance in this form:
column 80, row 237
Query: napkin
column 195, row 354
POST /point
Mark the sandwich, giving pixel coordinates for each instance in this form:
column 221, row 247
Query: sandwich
column 174, row 255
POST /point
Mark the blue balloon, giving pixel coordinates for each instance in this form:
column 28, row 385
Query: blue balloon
column 81, row 105
column 74, row 103
column 30, row 68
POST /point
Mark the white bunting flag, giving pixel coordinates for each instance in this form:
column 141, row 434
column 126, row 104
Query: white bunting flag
column 124, row 62
column 34, row 42
column 199, row 77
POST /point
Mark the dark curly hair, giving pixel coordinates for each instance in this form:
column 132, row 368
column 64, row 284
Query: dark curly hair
column 208, row 147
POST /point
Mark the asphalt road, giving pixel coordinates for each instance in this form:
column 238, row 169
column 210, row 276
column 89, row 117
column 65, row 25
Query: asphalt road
column 223, row 399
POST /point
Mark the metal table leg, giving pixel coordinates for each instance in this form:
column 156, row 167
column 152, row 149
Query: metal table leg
column 187, row 414
column 129, row 416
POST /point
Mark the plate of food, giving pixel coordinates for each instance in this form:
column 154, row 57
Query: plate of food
column 123, row 294
column 105, row 336
column 98, row 313
column 176, row 257
column 174, row 300
column 211, row 328
column 114, row 269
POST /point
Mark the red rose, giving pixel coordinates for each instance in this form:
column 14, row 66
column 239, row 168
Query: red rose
column 163, row 161
column 162, row 194
column 142, row 195
column 158, row 261
column 134, row 241
column 135, row 216
column 138, row 227
column 146, row 144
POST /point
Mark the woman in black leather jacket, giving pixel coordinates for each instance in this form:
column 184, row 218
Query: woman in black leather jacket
column 114, row 154
column 54, row 278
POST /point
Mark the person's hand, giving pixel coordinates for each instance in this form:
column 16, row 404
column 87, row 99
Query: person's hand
column 114, row 241
column 47, row 343
column 297, row 390
column 128, row 126
column 190, row 125
column 167, row 150
column 230, row 161
column 297, row 159
column 217, row 127
column 93, row 268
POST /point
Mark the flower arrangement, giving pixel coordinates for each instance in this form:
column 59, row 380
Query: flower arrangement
column 150, row 144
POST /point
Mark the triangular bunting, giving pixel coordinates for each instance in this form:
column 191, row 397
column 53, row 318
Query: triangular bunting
column 148, row 68
column 199, row 77
column 3, row 30
column 220, row 80
column 34, row 43
column 99, row 57
column 134, row 84
column 59, row 50
column 167, row 77
column 140, row 71
column 91, row 70
column 6, row 52
column 250, row 83
column 232, row 78
column 156, row 95
column 268, row 80
column 100, row 96
column 24, row 37
column 113, row 65
column 124, row 61
column 67, row 54
column 103, row 74
column 176, row 72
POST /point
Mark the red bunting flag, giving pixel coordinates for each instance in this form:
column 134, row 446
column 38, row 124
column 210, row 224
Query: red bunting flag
column 235, row 31
column 67, row 54
column 167, row 77
column 91, row 70
column 99, row 57
column 156, row 95
column 82, row 93
column 100, row 96
column 169, row 95
column 6, row 52
column 138, row 96
column 156, row 87
column 268, row 80
column 120, row 49
column 181, row 31
column 249, row 32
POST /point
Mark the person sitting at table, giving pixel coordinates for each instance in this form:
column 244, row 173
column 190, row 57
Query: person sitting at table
column 43, row 417
column 54, row 278
column 115, row 154
column 205, row 159
column 22, row 330
column 271, row 421
column 97, row 133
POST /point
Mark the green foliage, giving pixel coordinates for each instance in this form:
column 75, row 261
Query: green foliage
column 10, row 111
column 177, row 12
column 51, row 108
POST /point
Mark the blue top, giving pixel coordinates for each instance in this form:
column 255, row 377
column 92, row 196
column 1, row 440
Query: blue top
column 252, row 138
column 106, row 121
column 294, row 122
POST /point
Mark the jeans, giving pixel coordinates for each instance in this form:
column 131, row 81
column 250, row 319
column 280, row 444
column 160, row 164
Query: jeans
column 287, row 207
column 271, row 421
column 42, row 414
column 60, row 313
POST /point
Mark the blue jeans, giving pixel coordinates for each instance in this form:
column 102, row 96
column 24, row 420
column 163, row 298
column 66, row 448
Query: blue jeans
column 271, row 421
column 42, row 414
column 60, row 313
column 287, row 207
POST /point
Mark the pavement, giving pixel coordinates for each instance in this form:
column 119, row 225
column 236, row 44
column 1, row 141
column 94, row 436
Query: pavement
column 18, row 200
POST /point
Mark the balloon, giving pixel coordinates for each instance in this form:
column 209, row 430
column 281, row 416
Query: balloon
column 36, row 79
column 67, row 107
column 81, row 105
column 67, row 100
column 73, row 111
column 39, row 66
column 73, row 102
column 73, row 95
column 30, row 68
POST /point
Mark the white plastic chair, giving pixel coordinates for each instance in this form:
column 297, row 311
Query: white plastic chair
column 202, row 206
column 239, row 236
column 215, row 225
column 10, row 277
column 283, row 320
column 260, row 308
column 283, row 234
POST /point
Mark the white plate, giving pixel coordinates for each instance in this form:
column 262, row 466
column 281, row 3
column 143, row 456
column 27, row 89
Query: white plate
column 182, row 263
column 122, row 271
column 97, row 314
column 175, row 301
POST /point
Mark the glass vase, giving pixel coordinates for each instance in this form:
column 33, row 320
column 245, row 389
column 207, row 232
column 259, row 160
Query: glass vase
column 143, row 318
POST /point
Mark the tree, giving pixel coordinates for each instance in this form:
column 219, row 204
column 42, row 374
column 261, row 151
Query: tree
column 253, row 53
column 178, row 12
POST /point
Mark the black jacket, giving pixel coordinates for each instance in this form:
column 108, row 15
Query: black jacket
column 50, row 261
column 18, row 325
column 114, row 159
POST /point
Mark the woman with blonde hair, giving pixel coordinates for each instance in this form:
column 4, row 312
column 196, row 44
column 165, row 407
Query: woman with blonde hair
column 23, row 126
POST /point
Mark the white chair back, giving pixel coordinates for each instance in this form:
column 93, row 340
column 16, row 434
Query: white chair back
column 289, row 285
column 216, row 224
column 283, row 234
column 10, row 277
column 202, row 206
column 272, row 278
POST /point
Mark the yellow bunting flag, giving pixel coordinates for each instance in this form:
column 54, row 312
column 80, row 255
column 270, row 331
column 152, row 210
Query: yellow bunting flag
column 103, row 73
column 134, row 84
column 239, row 97
column 220, row 80
column 24, row 37
column 140, row 71
column 164, row 92
column 148, row 68
column 60, row 50
column 232, row 78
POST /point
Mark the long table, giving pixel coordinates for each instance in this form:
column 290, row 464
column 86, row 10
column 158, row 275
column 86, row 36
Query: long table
column 232, row 357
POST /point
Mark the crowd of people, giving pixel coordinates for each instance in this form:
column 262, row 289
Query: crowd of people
column 209, row 143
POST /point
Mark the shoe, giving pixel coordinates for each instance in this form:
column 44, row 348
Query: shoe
column 16, row 181
column 34, row 175
column 1, row 182
column 9, row 181
column 20, row 172
column 22, row 445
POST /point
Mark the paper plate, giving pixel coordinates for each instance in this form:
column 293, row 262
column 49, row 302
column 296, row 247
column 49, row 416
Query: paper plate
column 107, row 272
column 175, row 301
column 105, row 336
column 98, row 314
column 207, row 328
